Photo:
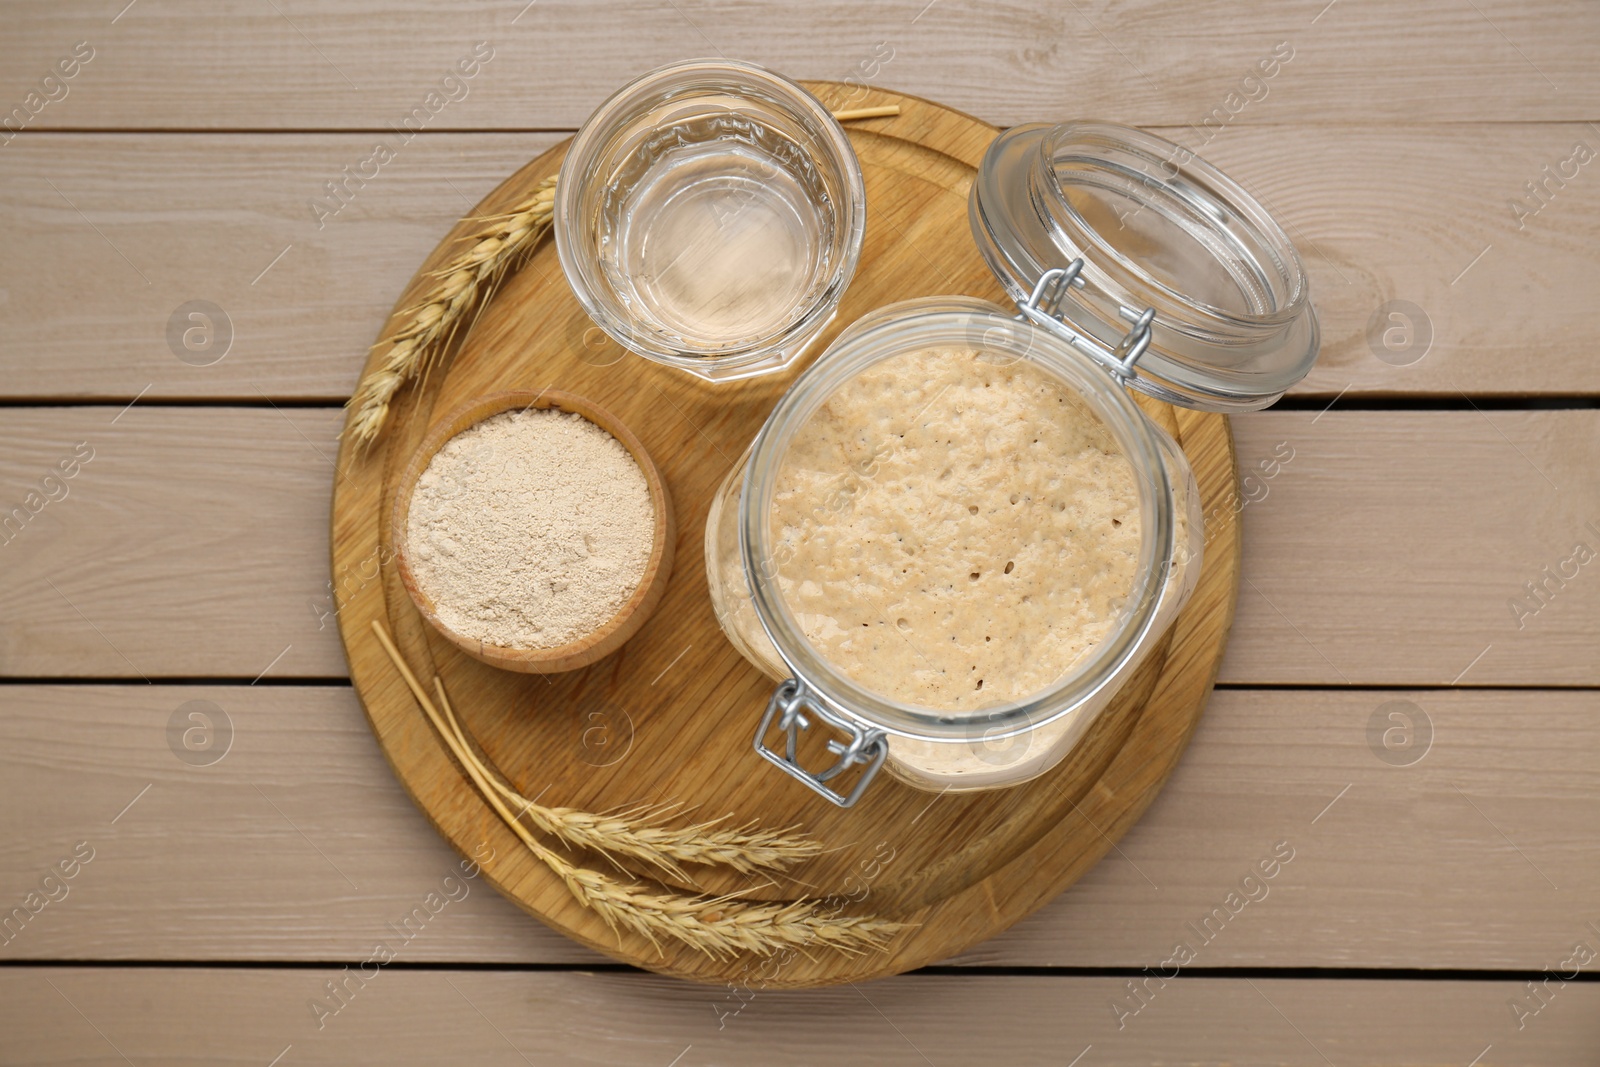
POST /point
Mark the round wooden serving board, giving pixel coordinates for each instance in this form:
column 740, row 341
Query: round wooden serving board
column 670, row 715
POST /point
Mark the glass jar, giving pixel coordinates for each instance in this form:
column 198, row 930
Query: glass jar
column 709, row 216
column 1134, row 264
column 1158, row 229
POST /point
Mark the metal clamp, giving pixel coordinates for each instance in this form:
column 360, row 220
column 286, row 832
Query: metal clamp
column 1043, row 309
column 788, row 705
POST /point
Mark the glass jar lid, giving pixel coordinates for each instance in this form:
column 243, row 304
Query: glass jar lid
column 1144, row 249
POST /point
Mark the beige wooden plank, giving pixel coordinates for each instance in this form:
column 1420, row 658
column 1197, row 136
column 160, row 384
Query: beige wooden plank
column 299, row 65
column 108, row 237
column 1430, row 830
column 1499, row 282
column 1384, row 213
column 1388, row 550
column 1396, row 547
column 191, row 542
column 298, row 844
column 63, row 1015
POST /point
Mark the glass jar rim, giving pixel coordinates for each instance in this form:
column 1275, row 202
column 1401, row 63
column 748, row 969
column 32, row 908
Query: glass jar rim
column 1202, row 354
column 1191, row 181
column 944, row 322
column 666, row 83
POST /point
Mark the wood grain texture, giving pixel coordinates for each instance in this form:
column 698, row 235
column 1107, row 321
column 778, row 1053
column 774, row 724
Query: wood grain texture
column 110, row 580
column 247, row 859
column 62, row 1015
column 236, row 65
column 166, row 220
column 1349, row 577
column 1017, row 847
column 1379, row 213
column 1392, row 145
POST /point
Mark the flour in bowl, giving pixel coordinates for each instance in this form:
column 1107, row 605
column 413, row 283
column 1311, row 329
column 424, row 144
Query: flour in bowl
column 530, row 529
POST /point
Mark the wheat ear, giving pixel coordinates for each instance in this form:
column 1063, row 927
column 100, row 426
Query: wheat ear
column 716, row 926
column 720, row 926
column 745, row 849
column 464, row 283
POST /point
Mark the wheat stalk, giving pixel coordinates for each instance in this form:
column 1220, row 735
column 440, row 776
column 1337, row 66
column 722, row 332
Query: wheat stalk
column 720, row 926
column 745, row 849
column 466, row 282
column 463, row 283
column 717, row 926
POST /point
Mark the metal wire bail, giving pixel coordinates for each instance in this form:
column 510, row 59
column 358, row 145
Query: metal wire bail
column 866, row 746
column 1043, row 308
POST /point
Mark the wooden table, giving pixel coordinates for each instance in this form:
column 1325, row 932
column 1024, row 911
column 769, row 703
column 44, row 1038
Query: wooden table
column 1400, row 707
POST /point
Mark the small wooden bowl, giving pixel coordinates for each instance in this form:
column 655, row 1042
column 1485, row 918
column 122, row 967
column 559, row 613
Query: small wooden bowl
column 626, row 622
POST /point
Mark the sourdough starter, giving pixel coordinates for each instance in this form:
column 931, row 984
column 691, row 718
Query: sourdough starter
column 955, row 530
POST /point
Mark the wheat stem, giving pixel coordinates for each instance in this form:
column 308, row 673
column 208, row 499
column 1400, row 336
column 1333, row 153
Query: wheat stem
column 717, row 926
column 745, row 849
